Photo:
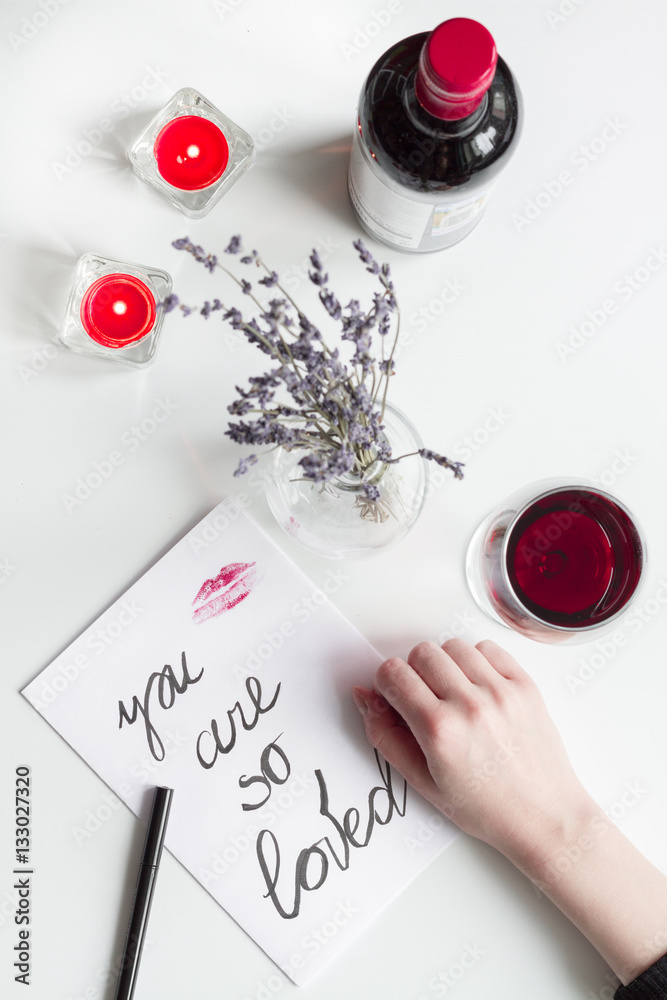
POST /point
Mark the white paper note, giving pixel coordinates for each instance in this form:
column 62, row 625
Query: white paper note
column 225, row 674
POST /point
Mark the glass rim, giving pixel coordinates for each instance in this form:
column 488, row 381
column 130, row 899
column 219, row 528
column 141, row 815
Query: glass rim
column 562, row 485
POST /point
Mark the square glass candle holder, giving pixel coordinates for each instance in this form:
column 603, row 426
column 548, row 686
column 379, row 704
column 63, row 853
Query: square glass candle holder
column 113, row 310
column 192, row 153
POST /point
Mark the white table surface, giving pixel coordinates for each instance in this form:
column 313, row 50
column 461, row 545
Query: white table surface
column 290, row 73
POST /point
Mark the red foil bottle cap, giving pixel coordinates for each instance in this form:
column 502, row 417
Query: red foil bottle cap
column 456, row 67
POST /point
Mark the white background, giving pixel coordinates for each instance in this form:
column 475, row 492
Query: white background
column 290, row 73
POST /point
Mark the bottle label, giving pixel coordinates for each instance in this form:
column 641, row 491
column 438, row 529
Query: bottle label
column 402, row 220
column 450, row 216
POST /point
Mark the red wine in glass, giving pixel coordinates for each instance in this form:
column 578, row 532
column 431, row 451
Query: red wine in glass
column 557, row 562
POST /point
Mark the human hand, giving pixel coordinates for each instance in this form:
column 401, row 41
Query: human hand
column 468, row 729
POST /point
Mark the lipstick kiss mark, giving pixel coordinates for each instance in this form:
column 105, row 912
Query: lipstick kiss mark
column 231, row 586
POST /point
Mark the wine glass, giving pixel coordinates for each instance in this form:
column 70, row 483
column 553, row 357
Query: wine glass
column 559, row 561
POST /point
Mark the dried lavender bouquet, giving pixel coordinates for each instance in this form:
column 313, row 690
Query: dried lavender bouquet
column 312, row 399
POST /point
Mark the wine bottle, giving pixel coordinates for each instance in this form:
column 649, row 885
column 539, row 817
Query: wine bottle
column 439, row 118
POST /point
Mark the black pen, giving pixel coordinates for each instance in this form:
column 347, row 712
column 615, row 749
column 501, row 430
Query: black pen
column 143, row 894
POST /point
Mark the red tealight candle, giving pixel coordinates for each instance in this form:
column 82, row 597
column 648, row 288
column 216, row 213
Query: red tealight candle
column 191, row 152
column 118, row 310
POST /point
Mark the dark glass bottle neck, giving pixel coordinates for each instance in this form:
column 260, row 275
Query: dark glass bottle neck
column 441, row 127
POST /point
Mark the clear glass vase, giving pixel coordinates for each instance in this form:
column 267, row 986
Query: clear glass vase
column 336, row 519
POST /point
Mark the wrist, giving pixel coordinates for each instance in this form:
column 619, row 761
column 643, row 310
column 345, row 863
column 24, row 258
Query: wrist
column 603, row 884
column 559, row 840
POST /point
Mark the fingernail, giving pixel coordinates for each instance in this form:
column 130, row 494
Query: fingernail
column 378, row 703
column 359, row 700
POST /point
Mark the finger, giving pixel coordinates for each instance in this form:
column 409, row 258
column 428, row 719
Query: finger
column 501, row 661
column 471, row 661
column 437, row 670
column 396, row 743
column 408, row 694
